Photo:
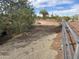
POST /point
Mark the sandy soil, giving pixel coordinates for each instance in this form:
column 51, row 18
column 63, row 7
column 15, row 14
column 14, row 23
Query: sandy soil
column 75, row 26
column 46, row 22
column 40, row 49
column 56, row 45
column 32, row 45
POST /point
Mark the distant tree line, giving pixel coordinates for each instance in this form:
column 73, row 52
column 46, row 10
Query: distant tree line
column 45, row 15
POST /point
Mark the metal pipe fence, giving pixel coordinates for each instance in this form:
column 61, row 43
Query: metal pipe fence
column 69, row 53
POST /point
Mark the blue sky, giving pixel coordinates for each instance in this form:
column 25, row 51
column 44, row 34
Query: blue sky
column 57, row 7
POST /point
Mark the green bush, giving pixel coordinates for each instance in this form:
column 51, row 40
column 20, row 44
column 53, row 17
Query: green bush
column 17, row 21
column 23, row 20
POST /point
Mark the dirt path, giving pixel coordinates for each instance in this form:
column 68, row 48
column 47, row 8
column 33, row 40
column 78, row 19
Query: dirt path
column 33, row 45
column 40, row 49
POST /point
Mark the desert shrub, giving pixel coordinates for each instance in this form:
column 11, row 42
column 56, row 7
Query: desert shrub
column 18, row 18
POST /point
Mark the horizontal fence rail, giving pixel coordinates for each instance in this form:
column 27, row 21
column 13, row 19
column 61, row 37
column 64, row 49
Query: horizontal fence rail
column 68, row 48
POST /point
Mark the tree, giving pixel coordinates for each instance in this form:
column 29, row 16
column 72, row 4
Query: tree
column 44, row 13
column 75, row 17
column 18, row 18
column 67, row 18
column 56, row 17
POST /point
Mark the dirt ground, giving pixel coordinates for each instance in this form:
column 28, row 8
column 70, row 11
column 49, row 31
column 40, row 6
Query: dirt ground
column 75, row 26
column 36, row 44
column 57, row 46
column 46, row 22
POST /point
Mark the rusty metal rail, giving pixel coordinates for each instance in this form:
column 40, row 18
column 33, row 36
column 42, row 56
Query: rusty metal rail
column 69, row 53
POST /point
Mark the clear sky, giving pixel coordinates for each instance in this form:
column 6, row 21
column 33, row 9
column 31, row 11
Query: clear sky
column 58, row 7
